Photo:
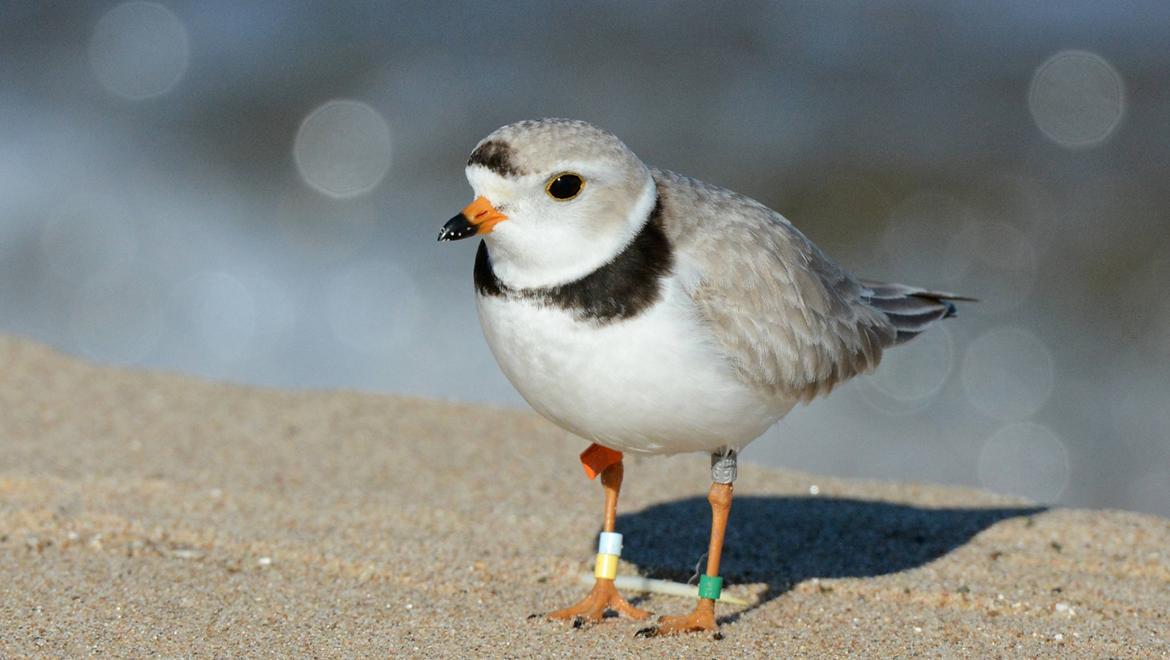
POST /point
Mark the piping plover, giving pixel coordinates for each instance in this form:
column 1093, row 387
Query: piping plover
column 655, row 314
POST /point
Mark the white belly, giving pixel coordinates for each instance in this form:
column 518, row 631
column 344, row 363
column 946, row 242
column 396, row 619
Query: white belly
column 652, row 384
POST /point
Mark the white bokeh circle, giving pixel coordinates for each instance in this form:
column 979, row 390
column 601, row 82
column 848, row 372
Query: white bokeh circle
column 910, row 376
column 138, row 50
column 117, row 322
column 1025, row 459
column 343, row 149
column 1007, row 373
column 1076, row 98
column 224, row 313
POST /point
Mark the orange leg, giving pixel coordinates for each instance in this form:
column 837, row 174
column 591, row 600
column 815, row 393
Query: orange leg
column 703, row 618
column 604, row 595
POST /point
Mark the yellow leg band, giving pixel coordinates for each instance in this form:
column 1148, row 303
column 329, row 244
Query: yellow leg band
column 606, row 567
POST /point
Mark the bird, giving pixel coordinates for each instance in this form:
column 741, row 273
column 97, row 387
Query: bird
column 653, row 314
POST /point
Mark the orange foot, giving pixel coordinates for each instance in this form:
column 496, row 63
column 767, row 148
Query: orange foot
column 703, row 618
column 592, row 609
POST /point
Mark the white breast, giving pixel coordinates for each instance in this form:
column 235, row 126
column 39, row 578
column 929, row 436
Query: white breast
column 652, row 384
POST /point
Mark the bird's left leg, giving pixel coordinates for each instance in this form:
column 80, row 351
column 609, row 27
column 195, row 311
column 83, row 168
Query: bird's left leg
column 604, row 594
column 723, row 469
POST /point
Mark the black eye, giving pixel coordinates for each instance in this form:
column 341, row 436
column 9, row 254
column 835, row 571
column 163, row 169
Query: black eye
column 565, row 186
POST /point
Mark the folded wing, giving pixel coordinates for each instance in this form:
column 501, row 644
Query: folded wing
column 789, row 318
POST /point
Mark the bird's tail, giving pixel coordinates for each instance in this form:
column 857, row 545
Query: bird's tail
column 911, row 310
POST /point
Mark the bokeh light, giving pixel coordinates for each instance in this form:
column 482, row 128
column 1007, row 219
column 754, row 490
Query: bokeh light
column 910, row 376
column 1007, row 373
column 138, row 50
column 1077, row 99
column 222, row 313
column 1025, row 459
column 120, row 321
column 89, row 239
column 227, row 321
column 343, row 148
column 276, row 310
column 373, row 307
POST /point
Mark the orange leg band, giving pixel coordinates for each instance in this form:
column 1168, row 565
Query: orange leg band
column 596, row 458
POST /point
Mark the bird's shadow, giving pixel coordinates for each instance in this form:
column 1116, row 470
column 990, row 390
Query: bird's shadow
column 781, row 541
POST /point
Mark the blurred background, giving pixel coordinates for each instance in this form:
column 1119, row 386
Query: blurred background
column 251, row 192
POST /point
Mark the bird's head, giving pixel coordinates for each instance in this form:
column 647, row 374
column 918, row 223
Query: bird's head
column 555, row 199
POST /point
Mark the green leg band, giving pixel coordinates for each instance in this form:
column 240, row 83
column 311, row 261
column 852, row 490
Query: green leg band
column 710, row 587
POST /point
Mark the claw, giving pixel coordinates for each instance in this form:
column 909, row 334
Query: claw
column 655, row 631
column 592, row 609
column 703, row 618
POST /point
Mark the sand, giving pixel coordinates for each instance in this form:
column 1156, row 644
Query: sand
column 155, row 515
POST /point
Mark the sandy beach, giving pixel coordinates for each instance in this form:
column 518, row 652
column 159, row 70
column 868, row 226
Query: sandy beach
column 157, row 515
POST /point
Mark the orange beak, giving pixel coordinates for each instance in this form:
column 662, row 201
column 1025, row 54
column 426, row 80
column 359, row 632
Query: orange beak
column 478, row 218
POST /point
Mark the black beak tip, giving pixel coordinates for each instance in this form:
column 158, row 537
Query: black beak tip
column 457, row 228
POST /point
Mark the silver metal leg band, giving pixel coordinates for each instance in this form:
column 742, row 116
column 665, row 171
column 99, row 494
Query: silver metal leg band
column 723, row 466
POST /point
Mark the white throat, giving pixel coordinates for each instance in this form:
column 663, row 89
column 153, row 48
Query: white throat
column 560, row 254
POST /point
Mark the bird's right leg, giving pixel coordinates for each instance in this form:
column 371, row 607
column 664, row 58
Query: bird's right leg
column 604, row 595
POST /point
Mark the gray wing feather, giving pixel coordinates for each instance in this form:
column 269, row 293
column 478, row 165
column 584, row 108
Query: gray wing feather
column 911, row 309
column 788, row 318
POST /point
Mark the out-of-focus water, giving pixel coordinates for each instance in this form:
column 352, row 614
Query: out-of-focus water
column 251, row 192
